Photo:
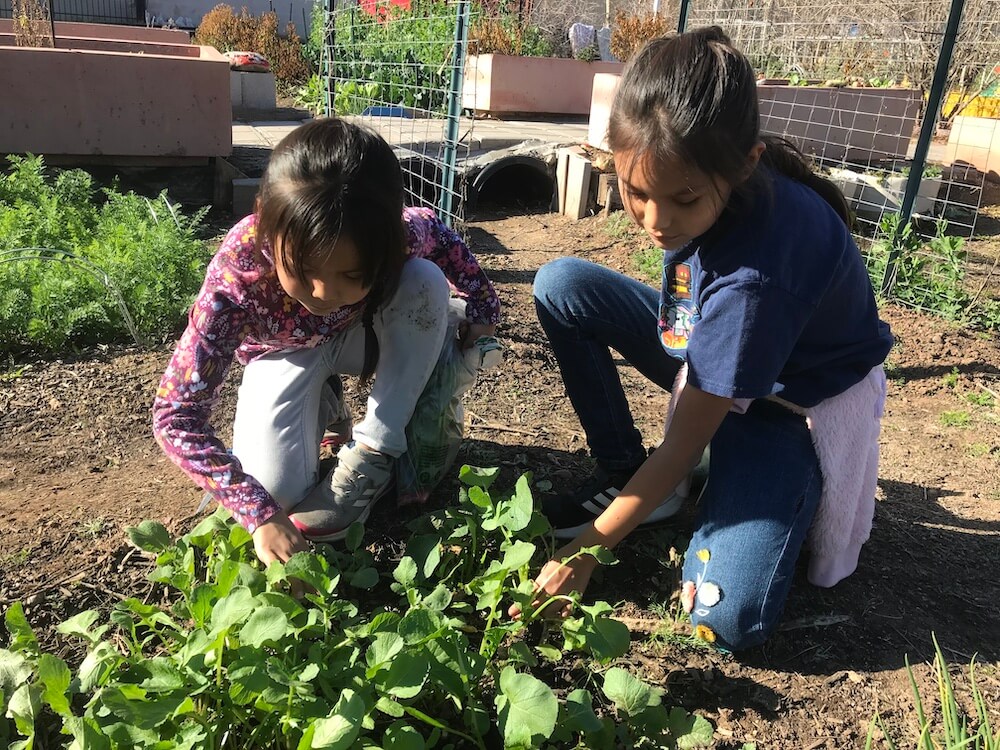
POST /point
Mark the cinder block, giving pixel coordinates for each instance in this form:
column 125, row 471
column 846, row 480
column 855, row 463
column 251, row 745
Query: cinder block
column 235, row 88
column 244, row 195
column 259, row 91
column 251, row 90
column 577, row 185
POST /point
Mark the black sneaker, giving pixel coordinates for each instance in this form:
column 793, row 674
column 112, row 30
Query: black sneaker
column 570, row 514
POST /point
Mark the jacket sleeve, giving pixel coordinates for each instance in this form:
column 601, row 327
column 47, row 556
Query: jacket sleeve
column 430, row 238
column 189, row 390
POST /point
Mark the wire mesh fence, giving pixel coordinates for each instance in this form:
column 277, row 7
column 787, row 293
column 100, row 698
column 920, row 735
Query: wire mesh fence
column 396, row 66
column 126, row 12
column 873, row 91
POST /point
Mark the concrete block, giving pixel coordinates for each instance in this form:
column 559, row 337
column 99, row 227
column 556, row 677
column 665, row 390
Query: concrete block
column 244, row 195
column 577, row 184
column 252, row 90
column 235, row 88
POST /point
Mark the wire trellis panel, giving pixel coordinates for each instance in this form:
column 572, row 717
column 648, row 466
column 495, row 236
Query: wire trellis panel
column 396, row 66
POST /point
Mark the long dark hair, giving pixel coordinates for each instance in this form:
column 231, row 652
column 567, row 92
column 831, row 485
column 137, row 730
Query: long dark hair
column 693, row 97
column 330, row 179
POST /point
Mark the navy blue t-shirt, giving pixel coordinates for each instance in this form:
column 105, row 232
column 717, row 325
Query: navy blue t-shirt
column 774, row 299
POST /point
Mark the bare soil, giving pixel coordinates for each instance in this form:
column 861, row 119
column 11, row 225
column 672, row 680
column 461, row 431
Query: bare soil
column 78, row 464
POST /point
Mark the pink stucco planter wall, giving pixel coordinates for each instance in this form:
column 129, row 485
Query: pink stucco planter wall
column 110, row 31
column 506, row 84
column 115, row 97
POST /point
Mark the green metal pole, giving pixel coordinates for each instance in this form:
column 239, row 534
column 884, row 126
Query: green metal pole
column 682, row 17
column 927, row 127
column 329, row 24
column 448, row 172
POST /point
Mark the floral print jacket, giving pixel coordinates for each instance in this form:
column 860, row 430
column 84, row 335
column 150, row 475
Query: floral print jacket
column 243, row 312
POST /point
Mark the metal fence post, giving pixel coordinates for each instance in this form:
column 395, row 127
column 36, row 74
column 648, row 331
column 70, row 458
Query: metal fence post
column 328, row 57
column 682, row 16
column 448, row 172
column 927, row 128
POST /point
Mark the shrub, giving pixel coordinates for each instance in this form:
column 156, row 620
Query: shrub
column 632, row 31
column 56, row 297
column 223, row 29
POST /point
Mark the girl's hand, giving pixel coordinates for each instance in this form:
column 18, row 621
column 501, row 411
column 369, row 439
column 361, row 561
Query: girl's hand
column 468, row 332
column 278, row 539
column 559, row 579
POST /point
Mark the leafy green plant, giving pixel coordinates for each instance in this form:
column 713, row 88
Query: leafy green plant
column 955, row 419
column 929, row 274
column 405, row 54
column 649, row 263
column 421, row 658
column 954, row 729
column 88, row 250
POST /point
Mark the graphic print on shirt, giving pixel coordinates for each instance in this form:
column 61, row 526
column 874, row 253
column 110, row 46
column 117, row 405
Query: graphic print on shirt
column 678, row 310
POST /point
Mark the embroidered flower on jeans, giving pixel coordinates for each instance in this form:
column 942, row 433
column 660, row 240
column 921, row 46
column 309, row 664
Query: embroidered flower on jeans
column 709, row 594
column 688, row 590
column 704, row 633
column 704, row 555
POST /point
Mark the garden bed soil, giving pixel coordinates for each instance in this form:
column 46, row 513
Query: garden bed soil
column 78, row 464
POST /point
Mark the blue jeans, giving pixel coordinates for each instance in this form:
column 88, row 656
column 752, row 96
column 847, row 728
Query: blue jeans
column 764, row 477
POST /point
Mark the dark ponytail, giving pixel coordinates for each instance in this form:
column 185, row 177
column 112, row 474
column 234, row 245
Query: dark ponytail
column 783, row 156
column 692, row 97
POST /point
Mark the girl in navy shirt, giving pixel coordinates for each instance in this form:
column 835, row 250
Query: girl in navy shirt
column 765, row 329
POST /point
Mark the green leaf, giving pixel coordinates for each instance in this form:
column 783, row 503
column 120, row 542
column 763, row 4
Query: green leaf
column 518, row 555
column 207, row 528
column 22, row 637
column 80, row 625
column 480, row 498
column 630, row 695
column 475, row 477
column 425, row 549
column 164, row 676
column 438, row 600
column 400, row 736
column 310, row 568
column 366, row 578
column 232, row 609
column 15, row 670
column 600, row 553
column 341, row 728
column 23, row 707
column 202, row 602
column 406, row 677
column 605, row 638
column 382, row 650
column 579, row 712
column 406, row 572
column 149, row 536
column 267, row 624
column 527, row 708
column 97, row 666
column 690, row 730
column 355, row 535
column 55, row 677
column 390, row 707
column 549, row 652
column 418, row 625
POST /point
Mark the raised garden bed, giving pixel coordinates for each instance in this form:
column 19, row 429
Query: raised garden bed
column 508, row 84
column 838, row 124
column 112, row 95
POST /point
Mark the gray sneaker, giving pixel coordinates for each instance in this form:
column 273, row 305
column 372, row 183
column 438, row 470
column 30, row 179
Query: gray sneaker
column 347, row 494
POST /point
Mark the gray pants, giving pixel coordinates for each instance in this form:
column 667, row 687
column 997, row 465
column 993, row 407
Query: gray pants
column 285, row 401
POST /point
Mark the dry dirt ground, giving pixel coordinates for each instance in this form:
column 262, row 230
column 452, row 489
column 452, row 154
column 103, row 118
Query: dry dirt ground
column 78, row 464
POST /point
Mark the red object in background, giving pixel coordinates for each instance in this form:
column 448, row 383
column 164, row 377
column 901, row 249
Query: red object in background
column 380, row 9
